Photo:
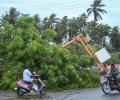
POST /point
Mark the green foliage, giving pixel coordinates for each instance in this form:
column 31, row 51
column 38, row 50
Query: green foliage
column 96, row 47
column 115, row 39
column 49, row 34
column 16, row 43
column 115, row 58
column 8, row 80
column 25, row 22
column 87, row 61
column 20, row 43
column 90, row 79
column 23, row 45
column 96, row 9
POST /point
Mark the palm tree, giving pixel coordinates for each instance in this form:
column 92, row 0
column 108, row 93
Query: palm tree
column 49, row 22
column 81, row 23
column 52, row 20
column 11, row 17
column 38, row 23
column 72, row 27
column 77, row 25
column 115, row 38
column 96, row 10
column 45, row 23
column 64, row 26
column 61, row 27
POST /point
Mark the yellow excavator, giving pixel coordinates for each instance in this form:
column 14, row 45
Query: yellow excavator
column 87, row 47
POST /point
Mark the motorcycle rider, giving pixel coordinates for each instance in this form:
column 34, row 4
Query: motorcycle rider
column 23, row 88
column 27, row 76
column 114, row 73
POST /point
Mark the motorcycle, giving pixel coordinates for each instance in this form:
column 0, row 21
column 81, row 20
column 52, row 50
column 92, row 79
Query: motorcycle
column 110, row 84
column 36, row 86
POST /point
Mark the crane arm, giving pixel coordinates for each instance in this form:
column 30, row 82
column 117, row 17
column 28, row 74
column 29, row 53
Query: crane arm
column 70, row 42
column 86, row 46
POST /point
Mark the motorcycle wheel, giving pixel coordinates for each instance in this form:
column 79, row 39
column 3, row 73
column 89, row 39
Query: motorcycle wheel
column 43, row 91
column 106, row 87
column 20, row 91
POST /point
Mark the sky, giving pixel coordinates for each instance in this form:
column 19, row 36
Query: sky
column 70, row 8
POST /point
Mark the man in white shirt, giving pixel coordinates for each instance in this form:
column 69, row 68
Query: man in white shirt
column 26, row 76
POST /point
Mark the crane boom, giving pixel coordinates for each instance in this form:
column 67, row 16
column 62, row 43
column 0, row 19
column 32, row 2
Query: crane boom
column 87, row 47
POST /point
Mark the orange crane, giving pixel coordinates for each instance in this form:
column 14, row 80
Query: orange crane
column 87, row 47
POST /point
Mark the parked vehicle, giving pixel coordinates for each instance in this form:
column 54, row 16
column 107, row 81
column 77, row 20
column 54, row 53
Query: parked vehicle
column 36, row 86
column 110, row 84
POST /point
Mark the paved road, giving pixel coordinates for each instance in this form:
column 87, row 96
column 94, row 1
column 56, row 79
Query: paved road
column 82, row 94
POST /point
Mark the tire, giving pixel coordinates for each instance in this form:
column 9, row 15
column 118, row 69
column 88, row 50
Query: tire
column 106, row 87
column 43, row 91
column 20, row 91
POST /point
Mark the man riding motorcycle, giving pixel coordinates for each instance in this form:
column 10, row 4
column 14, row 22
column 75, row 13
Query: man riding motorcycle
column 30, row 83
column 27, row 76
column 114, row 71
column 112, row 81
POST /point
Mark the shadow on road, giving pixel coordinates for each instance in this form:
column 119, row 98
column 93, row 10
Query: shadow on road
column 112, row 95
column 27, row 97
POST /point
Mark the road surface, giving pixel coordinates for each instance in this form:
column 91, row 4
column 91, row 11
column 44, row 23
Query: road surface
column 81, row 94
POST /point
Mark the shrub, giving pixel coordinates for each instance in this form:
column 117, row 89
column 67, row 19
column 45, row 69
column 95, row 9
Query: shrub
column 115, row 58
column 8, row 80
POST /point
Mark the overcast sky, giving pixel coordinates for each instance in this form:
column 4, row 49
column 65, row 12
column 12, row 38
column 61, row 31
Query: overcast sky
column 70, row 8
